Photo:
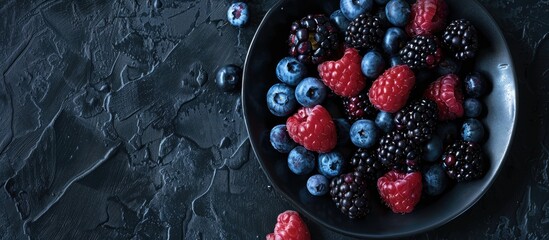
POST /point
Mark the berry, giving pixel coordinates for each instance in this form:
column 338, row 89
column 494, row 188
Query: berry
column 313, row 39
column 365, row 32
column 366, row 162
column 472, row 130
column 446, row 92
column 460, row 37
column 475, row 85
column 418, row 120
column 350, row 195
column 390, row 91
column 394, row 40
column 395, row 151
column 398, row 12
column 238, row 14
column 290, row 71
column 427, row 17
column 280, row 139
column 281, row 100
column 432, row 150
column 463, row 161
column 448, row 132
column 472, row 107
column 301, row 161
column 289, row 226
column 435, row 180
column 353, row 8
column 343, row 76
column 310, row 92
column 343, row 128
column 318, row 185
column 395, row 61
column 340, row 20
column 228, row 77
column 448, row 65
column 359, row 107
column 372, row 64
column 400, row 191
column 330, row 164
column 384, row 121
column 364, row 133
column 421, row 52
column 313, row 128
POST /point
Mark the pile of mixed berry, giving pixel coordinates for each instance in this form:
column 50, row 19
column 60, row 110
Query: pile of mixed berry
column 380, row 103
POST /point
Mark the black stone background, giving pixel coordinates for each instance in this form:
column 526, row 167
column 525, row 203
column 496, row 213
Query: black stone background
column 111, row 126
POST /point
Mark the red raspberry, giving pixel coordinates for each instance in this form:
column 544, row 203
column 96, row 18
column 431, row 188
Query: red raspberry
column 289, row 226
column 313, row 128
column 344, row 76
column 427, row 17
column 390, row 91
column 446, row 92
column 400, row 191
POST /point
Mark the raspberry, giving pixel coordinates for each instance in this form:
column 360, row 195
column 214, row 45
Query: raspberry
column 427, row 17
column 344, row 76
column 400, row 191
column 313, row 128
column 446, row 92
column 390, row 91
column 289, row 226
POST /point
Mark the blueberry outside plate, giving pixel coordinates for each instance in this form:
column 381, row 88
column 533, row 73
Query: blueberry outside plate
column 269, row 46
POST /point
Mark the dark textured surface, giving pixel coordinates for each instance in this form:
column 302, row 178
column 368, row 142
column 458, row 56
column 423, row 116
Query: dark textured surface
column 111, row 126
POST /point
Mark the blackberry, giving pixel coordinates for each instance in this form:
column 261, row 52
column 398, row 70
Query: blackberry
column 350, row 195
column 366, row 162
column 421, row 52
column 359, row 107
column 365, row 32
column 418, row 120
column 460, row 37
column 395, row 151
column 463, row 161
column 313, row 39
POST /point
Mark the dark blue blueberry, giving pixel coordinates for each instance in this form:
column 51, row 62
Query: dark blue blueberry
column 448, row 65
column 238, row 14
column 330, row 164
column 472, row 107
column 384, row 121
column 475, row 85
column 364, row 133
column 433, row 149
column 394, row 40
column 395, row 61
column 310, row 92
column 472, row 130
column 372, row 64
column 301, row 161
column 340, row 20
column 353, row 8
column 398, row 12
column 228, row 77
column 280, row 139
column 435, row 180
column 290, row 71
column 382, row 2
column 343, row 128
column 447, row 131
column 318, row 185
column 281, row 100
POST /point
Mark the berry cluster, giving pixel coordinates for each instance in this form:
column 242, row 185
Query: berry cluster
column 396, row 75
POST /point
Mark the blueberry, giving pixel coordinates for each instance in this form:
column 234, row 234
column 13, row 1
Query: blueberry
column 447, row 131
column 472, row 107
column 238, row 14
column 228, row 77
column 372, row 64
column 310, row 92
column 475, row 85
column 448, row 65
column 301, row 161
column 281, row 100
column 343, row 128
column 394, row 40
column 435, row 180
column 330, row 164
column 290, row 71
column 364, row 133
column 395, row 61
column 353, row 8
column 384, row 121
column 340, row 20
column 432, row 149
column 472, row 130
column 398, row 12
column 280, row 139
column 318, row 185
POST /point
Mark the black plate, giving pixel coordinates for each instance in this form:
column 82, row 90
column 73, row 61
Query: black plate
column 269, row 46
